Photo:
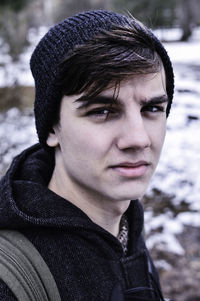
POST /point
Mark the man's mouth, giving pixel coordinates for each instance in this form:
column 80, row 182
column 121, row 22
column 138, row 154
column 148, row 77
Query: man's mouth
column 131, row 169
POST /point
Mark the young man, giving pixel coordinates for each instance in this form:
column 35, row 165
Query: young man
column 104, row 87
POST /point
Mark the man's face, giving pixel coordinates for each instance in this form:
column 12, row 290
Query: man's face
column 108, row 149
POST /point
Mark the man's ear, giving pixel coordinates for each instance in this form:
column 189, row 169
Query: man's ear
column 52, row 139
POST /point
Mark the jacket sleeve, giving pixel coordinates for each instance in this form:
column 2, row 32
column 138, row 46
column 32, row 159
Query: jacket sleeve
column 5, row 293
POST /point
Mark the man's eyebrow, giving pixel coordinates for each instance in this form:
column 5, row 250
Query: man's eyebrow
column 109, row 100
column 99, row 99
column 155, row 100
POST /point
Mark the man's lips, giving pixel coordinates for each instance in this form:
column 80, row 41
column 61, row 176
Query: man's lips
column 131, row 169
column 131, row 164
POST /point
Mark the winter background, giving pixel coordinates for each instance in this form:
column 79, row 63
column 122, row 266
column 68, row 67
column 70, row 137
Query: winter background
column 172, row 203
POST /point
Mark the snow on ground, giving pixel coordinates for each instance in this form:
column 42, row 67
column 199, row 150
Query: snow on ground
column 181, row 52
column 178, row 170
column 17, row 132
column 19, row 72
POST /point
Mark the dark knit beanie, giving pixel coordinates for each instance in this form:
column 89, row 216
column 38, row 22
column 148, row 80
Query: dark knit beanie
column 56, row 44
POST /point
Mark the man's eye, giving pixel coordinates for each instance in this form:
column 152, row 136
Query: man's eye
column 101, row 113
column 153, row 108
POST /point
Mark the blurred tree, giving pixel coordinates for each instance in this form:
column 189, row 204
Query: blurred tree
column 154, row 13
column 16, row 5
column 189, row 16
column 159, row 13
column 16, row 17
column 13, row 25
column 66, row 8
column 186, row 18
column 70, row 7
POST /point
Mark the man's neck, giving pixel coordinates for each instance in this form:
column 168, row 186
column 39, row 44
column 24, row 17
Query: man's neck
column 105, row 213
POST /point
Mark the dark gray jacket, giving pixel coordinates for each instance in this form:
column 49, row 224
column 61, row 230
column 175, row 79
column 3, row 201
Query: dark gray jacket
column 87, row 262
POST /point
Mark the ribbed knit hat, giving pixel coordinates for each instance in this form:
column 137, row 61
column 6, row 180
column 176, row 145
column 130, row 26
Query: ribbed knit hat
column 56, row 44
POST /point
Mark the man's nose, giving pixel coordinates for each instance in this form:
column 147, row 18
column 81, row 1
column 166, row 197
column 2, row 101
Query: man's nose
column 133, row 133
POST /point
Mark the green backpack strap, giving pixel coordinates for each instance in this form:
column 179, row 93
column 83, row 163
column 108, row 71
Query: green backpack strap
column 23, row 269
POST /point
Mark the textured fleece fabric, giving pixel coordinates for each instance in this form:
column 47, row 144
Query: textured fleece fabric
column 87, row 262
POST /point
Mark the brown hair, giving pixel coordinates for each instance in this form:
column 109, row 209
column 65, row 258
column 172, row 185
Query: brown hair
column 108, row 58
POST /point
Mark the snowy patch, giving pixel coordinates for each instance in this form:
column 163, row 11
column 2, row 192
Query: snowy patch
column 189, row 218
column 162, row 264
column 19, row 72
column 165, row 242
column 165, row 239
column 17, row 131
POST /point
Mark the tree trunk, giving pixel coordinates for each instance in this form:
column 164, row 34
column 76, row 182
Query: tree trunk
column 186, row 19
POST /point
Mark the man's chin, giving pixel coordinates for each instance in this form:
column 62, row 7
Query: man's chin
column 128, row 194
column 128, row 197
